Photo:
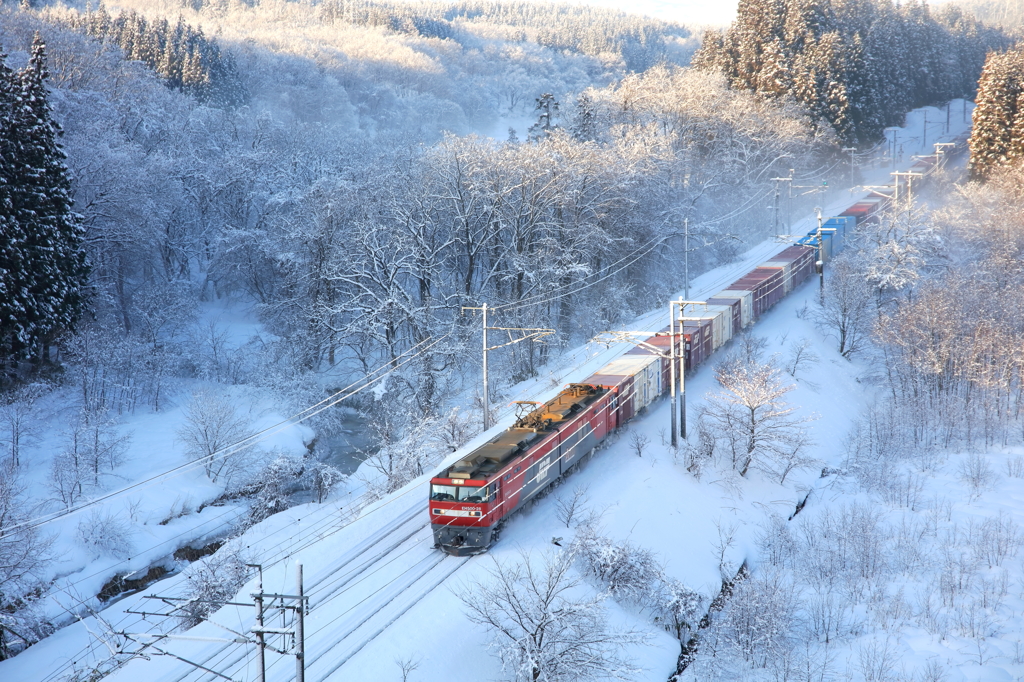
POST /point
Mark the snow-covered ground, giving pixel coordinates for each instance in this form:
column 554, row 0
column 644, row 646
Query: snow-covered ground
column 379, row 593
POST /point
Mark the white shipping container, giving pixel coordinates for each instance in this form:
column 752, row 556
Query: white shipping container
column 746, row 303
column 725, row 319
column 721, row 321
column 646, row 373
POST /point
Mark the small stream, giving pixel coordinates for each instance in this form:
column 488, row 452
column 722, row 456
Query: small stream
column 347, row 449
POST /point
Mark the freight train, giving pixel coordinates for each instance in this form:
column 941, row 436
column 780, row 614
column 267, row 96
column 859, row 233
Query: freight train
column 470, row 499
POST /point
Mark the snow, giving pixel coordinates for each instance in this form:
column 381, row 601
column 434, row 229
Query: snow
column 380, row 593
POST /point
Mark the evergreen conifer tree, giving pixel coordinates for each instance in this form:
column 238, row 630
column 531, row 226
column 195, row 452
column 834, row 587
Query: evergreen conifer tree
column 46, row 268
column 998, row 119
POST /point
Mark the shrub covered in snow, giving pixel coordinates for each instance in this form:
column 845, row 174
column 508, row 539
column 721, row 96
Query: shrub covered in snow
column 212, row 581
column 106, row 534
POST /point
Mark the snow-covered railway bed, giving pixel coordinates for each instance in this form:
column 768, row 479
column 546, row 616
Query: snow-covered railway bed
column 348, row 633
column 346, row 611
column 368, row 566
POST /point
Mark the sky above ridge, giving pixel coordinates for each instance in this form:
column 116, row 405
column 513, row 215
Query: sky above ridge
column 689, row 12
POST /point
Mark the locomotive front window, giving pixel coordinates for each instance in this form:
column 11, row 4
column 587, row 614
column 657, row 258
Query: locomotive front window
column 475, row 494
column 444, row 493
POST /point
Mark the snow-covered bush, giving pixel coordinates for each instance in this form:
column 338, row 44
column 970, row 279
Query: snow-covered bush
column 977, row 474
column 569, row 508
column 629, row 573
column 320, row 478
column 212, row 581
column 104, row 533
column 678, row 608
column 271, row 488
column 759, row 622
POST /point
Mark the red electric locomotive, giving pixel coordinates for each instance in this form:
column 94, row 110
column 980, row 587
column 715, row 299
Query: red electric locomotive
column 472, row 497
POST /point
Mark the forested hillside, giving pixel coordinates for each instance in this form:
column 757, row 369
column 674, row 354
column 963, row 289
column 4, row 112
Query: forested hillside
column 859, row 66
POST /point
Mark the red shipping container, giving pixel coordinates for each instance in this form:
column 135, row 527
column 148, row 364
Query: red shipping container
column 803, row 259
column 698, row 338
column 766, row 284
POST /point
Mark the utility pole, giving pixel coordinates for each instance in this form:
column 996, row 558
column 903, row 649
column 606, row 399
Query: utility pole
column 533, row 334
column 892, row 145
column 940, row 152
column 851, row 150
column 486, row 400
column 924, row 131
column 261, row 669
column 777, row 181
column 946, row 129
column 300, row 630
column 672, row 370
column 674, row 356
column 910, row 177
column 686, row 254
column 821, row 259
column 789, row 206
column 682, row 363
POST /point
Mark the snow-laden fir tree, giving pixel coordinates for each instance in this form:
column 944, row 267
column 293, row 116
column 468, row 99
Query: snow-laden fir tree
column 997, row 138
column 43, row 268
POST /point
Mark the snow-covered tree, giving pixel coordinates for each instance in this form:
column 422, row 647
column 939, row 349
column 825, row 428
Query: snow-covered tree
column 846, row 313
column 210, row 582
column 211, row 432
column 751, row 415
column 543, row 629
column 24, row 554
column 43, row 265
column 855, row 66
column 997, row 134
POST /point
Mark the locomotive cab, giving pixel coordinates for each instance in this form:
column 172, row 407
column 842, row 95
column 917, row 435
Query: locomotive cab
column 461, row 514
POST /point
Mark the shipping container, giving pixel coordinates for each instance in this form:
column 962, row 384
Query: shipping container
column 645, row 387
column 787, row 273
column 721, row 321
column 697, row 338
column 831, row 243
column 803, row 259
column 746, row 299
column 661, row 348
column 766, row 283
column 735, row 305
